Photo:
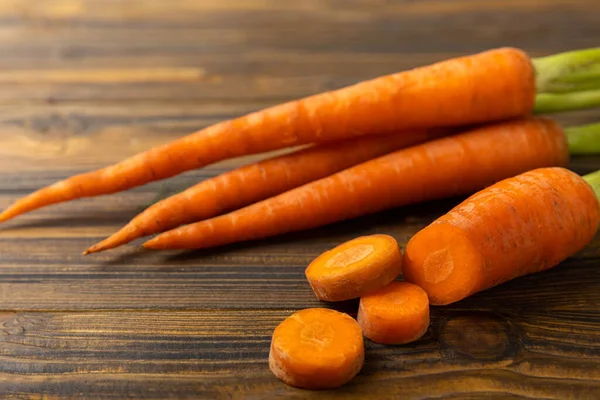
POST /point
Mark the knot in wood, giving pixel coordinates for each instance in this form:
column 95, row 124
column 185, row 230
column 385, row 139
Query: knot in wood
column 479, row 337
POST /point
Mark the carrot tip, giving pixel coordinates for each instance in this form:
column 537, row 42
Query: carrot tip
column 150, row 244
column 94, row 249
column 98, row 247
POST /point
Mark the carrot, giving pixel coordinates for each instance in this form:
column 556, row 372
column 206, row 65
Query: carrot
column 395, row 314
column 317, row 348
column 519, row 226
column 455, row 165
column 354, row 268
column 493, row 85
column 257, row 181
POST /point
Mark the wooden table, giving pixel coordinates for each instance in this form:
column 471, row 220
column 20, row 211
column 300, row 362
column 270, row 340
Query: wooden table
column 86, row 83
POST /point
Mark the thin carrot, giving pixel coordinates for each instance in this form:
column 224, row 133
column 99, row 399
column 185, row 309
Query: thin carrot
column 317, row 348
column 359, row 266
column 492, row 85
column 395, row 314
column 258, row 181
column 519, row 226
column 455, row 165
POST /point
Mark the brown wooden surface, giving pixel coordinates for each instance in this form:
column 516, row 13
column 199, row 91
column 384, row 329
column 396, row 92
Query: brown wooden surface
column 85, row 83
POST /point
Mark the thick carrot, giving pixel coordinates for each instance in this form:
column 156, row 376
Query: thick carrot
column 492, row 85
column 518, row 226
column 356, row 267
column 395, row 314
column 258, row 181
column 317, row 348
column 455, row 165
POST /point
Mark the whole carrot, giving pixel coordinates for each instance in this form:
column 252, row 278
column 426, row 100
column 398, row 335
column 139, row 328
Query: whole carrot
column 492, row 85
column 459, row 164
column 519, row 226
column 257, row 181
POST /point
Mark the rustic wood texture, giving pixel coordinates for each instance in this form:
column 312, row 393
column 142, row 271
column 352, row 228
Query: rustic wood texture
column 84, row 83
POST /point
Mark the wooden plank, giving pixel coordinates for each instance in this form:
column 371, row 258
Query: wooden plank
column 204, row 353
column 41, row 140
column 242, row 52
column 186, row 10
column 41, row 251
column 85, row 83
column 42, row 269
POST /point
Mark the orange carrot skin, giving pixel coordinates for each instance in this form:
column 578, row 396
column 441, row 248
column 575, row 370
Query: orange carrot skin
column 258, row 181
column 493, row 85
column 518, row 226
column 395, row 314
column 455, row 165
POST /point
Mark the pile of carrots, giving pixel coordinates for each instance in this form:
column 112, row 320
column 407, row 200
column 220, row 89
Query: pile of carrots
column 518, row 226
column 467, row 126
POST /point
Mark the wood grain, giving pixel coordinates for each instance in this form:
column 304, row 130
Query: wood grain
column 85, row 83
column 168, row 355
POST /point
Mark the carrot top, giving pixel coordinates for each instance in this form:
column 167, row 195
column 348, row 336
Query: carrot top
column 577, row 70
column 553, row 102
column 567, row 81
column 584, row 139
column 593, row 179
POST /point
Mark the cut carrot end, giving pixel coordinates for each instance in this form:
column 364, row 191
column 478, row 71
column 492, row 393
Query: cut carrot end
column 317, row 348
column 354, row 268
column 444, row 262
column 395, row 314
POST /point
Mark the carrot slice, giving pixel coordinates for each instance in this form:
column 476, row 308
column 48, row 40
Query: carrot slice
column 354, row 268
column 317, row 348
column 395, row 314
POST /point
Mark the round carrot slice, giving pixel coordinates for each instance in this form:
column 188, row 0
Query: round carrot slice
column 317, row 348
column 355, row 268
column 395, row 314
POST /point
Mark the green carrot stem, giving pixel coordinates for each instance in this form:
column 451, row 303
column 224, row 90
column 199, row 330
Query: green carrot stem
column 593, row 179
column 551, row 103
column 592, row 75
column 568, row 72
column 584, row 139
